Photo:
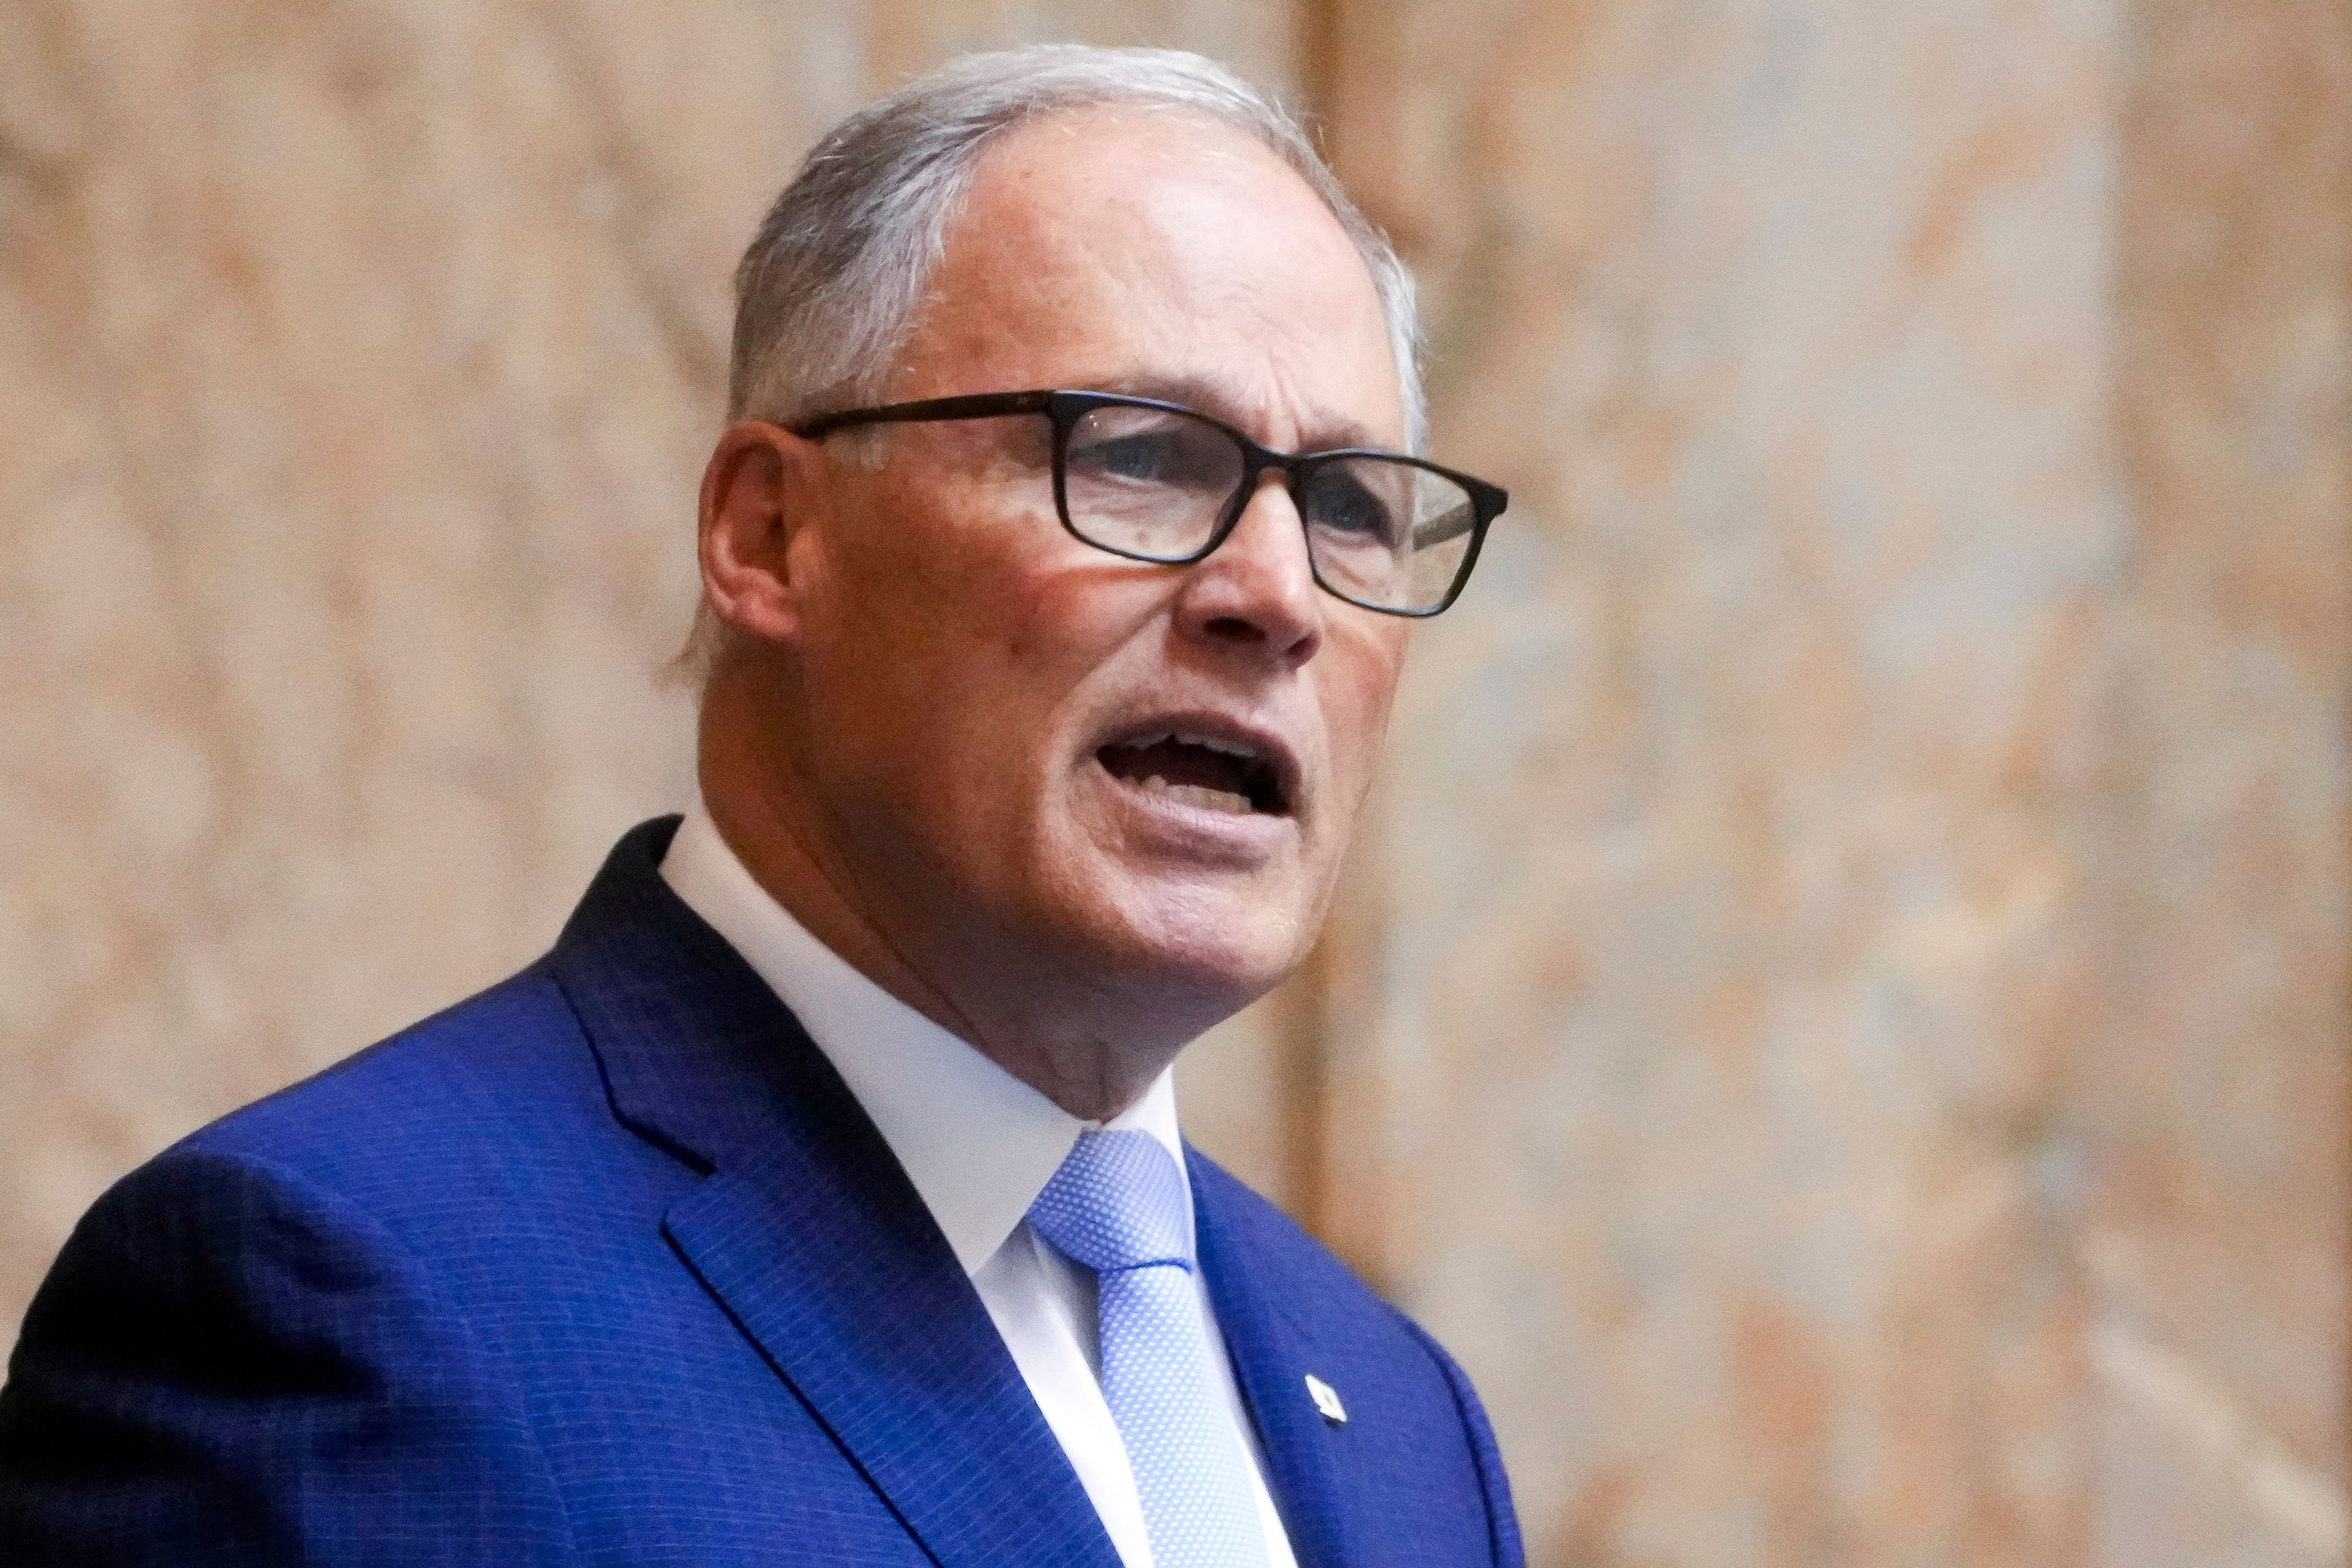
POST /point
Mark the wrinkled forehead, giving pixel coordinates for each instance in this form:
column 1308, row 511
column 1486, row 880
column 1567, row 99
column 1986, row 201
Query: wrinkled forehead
column 1108, row 249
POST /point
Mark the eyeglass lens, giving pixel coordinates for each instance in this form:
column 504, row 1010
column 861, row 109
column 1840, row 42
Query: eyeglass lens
column 1155, row 483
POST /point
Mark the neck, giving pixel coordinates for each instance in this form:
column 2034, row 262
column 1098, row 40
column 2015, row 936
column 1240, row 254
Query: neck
column 1085, row 1044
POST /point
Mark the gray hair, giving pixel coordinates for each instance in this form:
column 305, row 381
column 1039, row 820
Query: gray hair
column 828, row 289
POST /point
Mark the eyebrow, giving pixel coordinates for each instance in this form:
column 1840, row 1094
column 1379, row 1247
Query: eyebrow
column 1211, row 395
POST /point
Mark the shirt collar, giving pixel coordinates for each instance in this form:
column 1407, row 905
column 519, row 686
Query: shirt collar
column 977, row 1143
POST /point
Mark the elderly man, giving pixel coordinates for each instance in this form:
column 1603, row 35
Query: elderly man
column 819, row 1198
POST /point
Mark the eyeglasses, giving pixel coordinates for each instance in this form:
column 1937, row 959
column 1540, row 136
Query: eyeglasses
column 1158, row 482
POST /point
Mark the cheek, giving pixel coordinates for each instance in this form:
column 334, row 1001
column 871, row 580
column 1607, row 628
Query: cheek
column 973, row 632
column 1365, row 666
column 915, row 599
column 1358, row 690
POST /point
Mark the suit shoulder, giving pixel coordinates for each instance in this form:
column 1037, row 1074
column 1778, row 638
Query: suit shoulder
column 1398, row 1380
column 1310, row 1270
column 1255, row 1228
column 225, row 1364
column 508, row 1067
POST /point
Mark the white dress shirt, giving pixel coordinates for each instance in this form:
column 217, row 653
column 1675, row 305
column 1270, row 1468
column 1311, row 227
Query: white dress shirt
column 979, row 1145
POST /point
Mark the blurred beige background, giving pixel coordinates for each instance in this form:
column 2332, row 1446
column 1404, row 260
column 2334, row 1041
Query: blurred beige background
column 1842, row 1020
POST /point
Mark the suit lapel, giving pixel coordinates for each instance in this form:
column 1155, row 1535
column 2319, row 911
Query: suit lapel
column 1273, row 1352
column 810, row 1234
column 876, row 1326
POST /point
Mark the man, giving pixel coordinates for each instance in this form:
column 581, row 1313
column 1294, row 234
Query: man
column 819, row 1198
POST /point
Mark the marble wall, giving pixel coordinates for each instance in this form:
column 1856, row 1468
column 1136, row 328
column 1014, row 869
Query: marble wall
column 1840, row 1017
column 1859, row 1050
column 2211, row 1087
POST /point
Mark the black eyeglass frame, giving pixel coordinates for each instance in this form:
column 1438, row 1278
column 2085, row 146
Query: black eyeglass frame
column 1066, row 407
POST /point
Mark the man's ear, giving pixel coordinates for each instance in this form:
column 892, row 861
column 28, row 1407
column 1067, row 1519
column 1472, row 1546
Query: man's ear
column 760, row 490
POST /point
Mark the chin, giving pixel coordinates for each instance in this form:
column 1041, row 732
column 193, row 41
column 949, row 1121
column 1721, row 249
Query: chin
column 1177, row 917
column 1213, row 950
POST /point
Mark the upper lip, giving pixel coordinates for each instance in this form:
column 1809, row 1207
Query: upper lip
column 1222, row 730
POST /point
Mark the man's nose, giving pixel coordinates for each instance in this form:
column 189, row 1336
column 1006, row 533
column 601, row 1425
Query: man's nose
column 1256, row 592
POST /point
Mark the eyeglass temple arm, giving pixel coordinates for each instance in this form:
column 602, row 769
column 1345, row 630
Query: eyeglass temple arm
column 974, row 406
column 1452, row 526
column 1490, row 501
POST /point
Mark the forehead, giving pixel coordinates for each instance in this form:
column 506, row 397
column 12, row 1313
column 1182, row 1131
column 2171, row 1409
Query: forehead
column 1125, row 248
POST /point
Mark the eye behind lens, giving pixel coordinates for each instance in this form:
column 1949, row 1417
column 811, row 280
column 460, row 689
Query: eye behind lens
column 1125, row 445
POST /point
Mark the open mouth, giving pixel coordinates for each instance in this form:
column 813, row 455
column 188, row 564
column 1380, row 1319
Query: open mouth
column 1216, row 773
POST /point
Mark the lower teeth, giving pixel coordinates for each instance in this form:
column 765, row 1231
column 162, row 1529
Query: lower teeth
column 1199, row 794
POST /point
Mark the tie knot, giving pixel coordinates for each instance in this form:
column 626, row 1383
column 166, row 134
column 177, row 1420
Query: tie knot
column 1118, row 1202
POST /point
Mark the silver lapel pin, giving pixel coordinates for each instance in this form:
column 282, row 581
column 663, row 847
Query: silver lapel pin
column 1327, row 1400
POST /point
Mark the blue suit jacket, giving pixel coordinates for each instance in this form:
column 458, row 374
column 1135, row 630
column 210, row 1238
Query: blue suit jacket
column 606, row 1265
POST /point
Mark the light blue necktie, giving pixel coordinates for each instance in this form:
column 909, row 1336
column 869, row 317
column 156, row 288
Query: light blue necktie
column 1117, row 1205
